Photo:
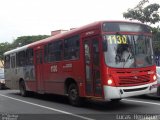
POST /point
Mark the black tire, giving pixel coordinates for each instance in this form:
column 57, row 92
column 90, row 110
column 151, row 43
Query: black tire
column 158, row 91
column 22, row 88
column 73, row 95
column 1, row 86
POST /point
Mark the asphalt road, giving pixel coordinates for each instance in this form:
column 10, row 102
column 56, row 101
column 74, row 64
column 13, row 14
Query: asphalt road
column 54, row 107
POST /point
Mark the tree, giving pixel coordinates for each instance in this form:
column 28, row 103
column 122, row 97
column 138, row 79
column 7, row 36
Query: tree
column 24, row 40
column 148, row 14
column 20, row 41
column 3, row 48
column 156, row 40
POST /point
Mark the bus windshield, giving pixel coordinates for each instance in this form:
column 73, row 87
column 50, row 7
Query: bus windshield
column 128, row 51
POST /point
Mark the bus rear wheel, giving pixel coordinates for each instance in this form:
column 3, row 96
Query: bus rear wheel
column 22, row 89
column 73, row 95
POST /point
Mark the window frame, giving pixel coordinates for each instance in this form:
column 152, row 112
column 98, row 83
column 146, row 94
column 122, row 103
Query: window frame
column 72, row 48
column 51, row 49
column 29, row 56
column 21, row 58
column 7, row 61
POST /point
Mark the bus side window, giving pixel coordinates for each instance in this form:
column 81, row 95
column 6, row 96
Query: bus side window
column 71, row 48
column 21, row 59
column 58, row 50
column 46, row 53
column 29, row 57
column 13, row 62
column 7, row 61
column 51, row 56
column 53, row 51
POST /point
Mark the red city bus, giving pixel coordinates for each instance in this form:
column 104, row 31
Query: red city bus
column 106, row 60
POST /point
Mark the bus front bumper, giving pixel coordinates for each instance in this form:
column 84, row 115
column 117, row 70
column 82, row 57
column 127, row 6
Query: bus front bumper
column 112, row 92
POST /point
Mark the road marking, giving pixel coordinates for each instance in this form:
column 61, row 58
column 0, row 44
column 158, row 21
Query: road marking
column 49, row 108
column 138, row 101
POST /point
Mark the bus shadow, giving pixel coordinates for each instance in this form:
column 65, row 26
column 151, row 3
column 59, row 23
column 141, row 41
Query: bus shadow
column 148, row 97
column 110, row 106
column 49, row 97
column 98, row 106
column 87, row 104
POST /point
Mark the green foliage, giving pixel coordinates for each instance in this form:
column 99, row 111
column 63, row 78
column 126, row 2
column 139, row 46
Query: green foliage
column 24, row 40
column 156, row 39
column 3, row 48
column 148, row 14
column 20, row 41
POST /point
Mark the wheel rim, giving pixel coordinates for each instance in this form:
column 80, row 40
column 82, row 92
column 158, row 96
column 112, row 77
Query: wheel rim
column 73, row 94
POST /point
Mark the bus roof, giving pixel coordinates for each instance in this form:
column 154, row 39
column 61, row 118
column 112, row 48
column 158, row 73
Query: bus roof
column 64, row 35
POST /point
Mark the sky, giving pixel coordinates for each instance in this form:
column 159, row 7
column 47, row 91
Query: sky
column 40, row 17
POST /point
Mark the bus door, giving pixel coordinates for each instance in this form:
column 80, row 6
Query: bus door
column 39, row 70
column 93, row 86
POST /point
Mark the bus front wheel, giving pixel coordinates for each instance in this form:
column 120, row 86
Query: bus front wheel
column 73, row 95
column 22, row 89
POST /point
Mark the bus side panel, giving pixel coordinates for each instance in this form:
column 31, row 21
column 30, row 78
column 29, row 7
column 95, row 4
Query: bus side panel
column 10, row 79
column 76, row 72
column 56, row 73
column 31, row 85
column 53, row 78
column 29, row 77
column 12, row 76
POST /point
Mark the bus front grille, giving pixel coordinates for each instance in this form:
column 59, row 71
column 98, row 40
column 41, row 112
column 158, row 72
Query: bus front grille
column 133, row 80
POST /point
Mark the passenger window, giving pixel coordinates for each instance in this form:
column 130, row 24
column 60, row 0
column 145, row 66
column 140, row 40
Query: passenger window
column 53, row 51
column 21, row 58
column 71, row 48
column 29, row 57
column 13, row 62
column 7, row 61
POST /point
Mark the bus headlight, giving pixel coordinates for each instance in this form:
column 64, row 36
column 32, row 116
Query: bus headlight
column 109, row 81
column 154, row 77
